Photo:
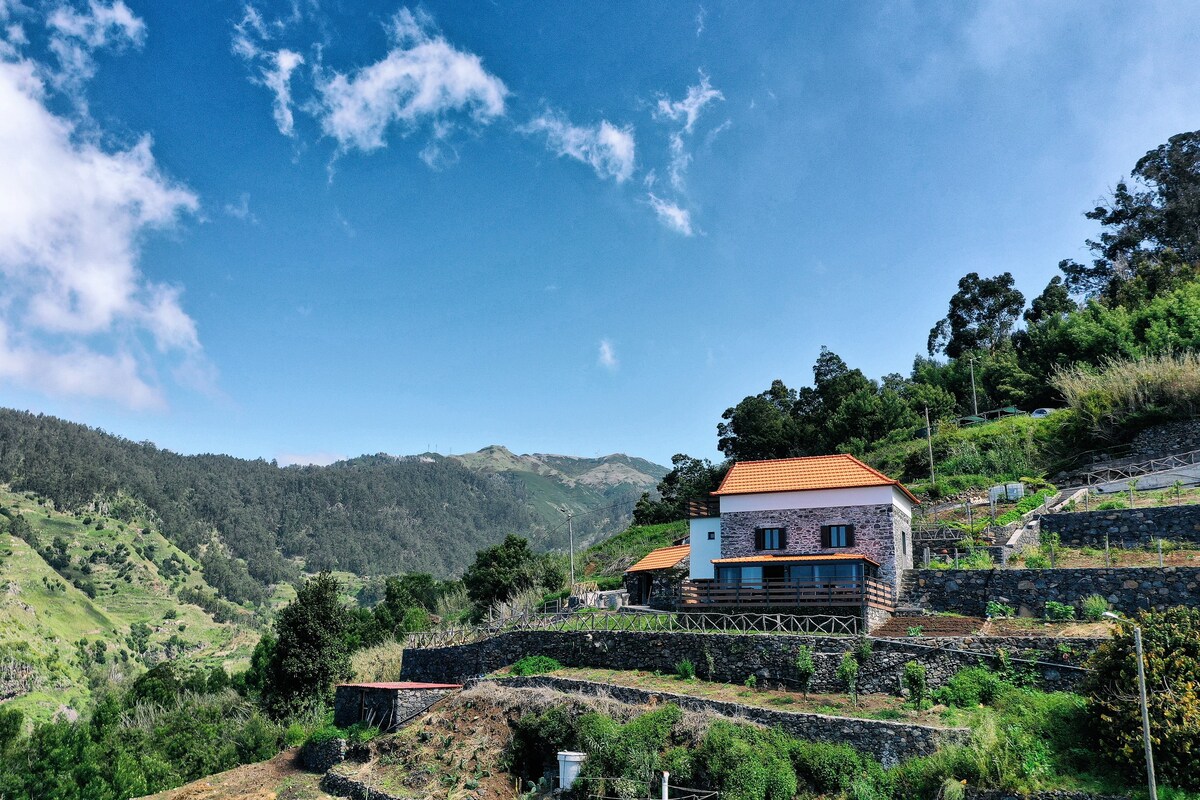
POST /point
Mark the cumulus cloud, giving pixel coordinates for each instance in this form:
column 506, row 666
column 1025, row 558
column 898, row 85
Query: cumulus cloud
column 76, row 35
column 75, row 310
column 423, row 78
column 609, row 150
column 607, row 357
column 669, row 214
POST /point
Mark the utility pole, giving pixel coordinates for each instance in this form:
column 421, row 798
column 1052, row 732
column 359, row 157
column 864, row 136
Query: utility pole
column 929, row 439
column 571, row 534
column 974, row 399
column 1137, row 646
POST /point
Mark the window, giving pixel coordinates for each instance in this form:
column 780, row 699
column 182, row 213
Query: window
column 712, row 535
column 837, row 536
column 770, row 539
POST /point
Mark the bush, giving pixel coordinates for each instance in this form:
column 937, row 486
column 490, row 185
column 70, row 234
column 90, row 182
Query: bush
column 1036, row 561
column 535, row 665
column 751, row 681
column 847, row 673
column 1000, row 610
column 685, row 670
column 1171, row 644
column 325, row 733
column 970, row 687
column 914, row 682
column 805, row 667
column 1094, row 606
column 1111, row 505
column 862, row 650
column 1060, row 612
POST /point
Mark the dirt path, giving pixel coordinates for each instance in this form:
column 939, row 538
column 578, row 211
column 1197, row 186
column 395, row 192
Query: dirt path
column 281, row 778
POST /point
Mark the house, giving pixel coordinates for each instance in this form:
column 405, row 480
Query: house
column 822, row 533
column 386, row 706
column 655, row 580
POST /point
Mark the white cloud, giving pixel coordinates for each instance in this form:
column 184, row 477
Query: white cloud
column 669, row 214
column 423, row 78
column 274, row 67
column 609, row 150
column 701, row 16
column 608, row 356
column 241, row 209
column 309, row 459
column 74, row 36
column 688, row 111
column 74, row 307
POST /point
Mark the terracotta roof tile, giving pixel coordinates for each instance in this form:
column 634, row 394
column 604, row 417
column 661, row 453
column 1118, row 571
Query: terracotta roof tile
column 804, row 474
column 782, row 559
column 662, row 558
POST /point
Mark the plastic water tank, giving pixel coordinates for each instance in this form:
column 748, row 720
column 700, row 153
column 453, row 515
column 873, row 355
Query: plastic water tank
column 569, row 763
column 1015, row 490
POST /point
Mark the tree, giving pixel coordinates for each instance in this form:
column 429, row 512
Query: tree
column 914, row 681
column 501, row 572
column 981, row 316
column 805, row 668
column 689, row 479
column 761, row 426
column 847, row 673
column 310, row 652
column 1171, row 644
column 1053, row 303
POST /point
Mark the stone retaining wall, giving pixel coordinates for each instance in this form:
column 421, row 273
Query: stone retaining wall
column 1128, row 589
column 888, row 742
column 1167, row 439
column 732, row 658
column 1125, row 527
column 322, row 756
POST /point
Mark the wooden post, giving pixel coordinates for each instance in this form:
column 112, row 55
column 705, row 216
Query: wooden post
column 1160, row 551
column 1107, row 556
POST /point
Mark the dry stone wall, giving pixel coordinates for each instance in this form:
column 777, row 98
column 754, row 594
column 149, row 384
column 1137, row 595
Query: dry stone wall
column 1127, row 589
column 1125, row 527
column 1167, row 439
column 732, row 658
column 888, row 742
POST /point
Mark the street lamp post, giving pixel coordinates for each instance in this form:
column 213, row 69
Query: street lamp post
column 571, row 534
column 1137, row 645
column 974, row 400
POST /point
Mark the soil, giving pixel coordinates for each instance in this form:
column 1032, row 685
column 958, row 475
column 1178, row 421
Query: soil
column 1094, row 557
column 1037, row 627
column 281, row 778
column 897, row 627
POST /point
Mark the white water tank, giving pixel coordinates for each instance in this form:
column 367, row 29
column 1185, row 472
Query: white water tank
column 569, row 763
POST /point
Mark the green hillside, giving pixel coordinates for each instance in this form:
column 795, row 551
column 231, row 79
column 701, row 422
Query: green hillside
column 101, row 596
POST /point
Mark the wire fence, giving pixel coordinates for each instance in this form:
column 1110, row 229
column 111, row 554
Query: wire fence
column 692, row 622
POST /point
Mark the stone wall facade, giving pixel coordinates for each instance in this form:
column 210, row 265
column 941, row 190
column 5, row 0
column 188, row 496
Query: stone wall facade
column 381, row 707
column 1125, row 527
column 888, row 742
column 1127, row 589
column 664, row 586
column 322, row 756
column 732, row 658
column 881, row 532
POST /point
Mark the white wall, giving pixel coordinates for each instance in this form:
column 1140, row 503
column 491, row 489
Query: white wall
column 817, row 498
column 704, row 551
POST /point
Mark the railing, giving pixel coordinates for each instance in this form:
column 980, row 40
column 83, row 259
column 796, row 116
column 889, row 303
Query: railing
column 692, row 621
column 1131, row 471
column 834, row 592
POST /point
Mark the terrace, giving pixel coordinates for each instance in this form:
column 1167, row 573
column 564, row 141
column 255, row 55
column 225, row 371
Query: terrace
column 813, row 581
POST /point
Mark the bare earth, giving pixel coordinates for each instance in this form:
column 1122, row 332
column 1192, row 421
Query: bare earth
column 281, row 778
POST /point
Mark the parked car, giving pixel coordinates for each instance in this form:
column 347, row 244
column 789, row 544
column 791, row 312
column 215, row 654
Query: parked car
column 1038, row 413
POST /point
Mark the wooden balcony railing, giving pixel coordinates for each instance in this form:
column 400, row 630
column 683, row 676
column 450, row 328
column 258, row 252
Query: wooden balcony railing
column 837, row 592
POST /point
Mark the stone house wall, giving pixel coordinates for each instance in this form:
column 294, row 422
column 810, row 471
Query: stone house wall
column 1127, row 589
column 881, row 532
column 380, row 707
column 732, row 658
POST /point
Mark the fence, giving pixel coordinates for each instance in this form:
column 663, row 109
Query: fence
column 837, row 592
column 695, row 622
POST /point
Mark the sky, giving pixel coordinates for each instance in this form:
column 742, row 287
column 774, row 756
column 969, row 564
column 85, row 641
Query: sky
column 305, row 230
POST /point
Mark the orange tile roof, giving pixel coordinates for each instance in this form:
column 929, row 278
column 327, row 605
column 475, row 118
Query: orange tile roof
column 662, row 558
column 842, row 471
column 782, row 559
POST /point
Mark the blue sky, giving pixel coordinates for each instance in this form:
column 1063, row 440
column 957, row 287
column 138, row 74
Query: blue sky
column 304, row 230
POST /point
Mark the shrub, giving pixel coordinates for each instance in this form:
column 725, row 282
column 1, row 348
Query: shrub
column 970, row 687
column 914, row 681
column 1093, row 607
column 862, row 650
column 1036, row 561
column 1000, row 610
column 326, row 733
column 1111, row 505
column 805, row 668
column 915, row 630
column 1171, row 644
column 685, row 670
column 535, row 665
column 847, row 673
column 1059, row 612
column 751, row 681
column 828, row 768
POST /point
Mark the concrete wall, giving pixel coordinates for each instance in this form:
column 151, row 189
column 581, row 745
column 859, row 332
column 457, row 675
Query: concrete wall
column 1127, row 589
column 888, row 742
column 1127, row 527
column 732, row 658
column 704, row 550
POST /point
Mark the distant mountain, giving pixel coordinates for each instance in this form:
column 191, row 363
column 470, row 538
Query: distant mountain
column 251, row 524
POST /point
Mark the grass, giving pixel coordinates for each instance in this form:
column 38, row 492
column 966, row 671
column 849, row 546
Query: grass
column 614, row 555
column 43, row 615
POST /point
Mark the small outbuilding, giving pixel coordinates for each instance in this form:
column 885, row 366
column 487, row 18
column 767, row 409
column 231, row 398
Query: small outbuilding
column 385, row 705
column 655, row 580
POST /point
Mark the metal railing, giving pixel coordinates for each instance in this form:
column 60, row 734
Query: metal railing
column 834, row 592
column 692, row 621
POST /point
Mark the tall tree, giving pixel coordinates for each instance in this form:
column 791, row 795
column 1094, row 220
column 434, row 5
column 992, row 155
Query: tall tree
column 310, row 652
column 982, row 314
column 761, row 426
column 1054, row 302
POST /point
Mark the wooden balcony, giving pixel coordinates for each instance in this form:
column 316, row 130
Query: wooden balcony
column 788, row 594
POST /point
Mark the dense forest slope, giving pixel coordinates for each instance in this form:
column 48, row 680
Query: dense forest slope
column 252, row 523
